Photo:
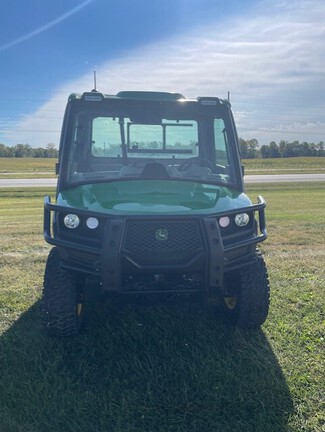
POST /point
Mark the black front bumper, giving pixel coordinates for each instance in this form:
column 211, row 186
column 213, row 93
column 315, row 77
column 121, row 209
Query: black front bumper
column 195, row 247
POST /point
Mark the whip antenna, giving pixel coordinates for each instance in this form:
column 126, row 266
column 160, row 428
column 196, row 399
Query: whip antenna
column 95, row 82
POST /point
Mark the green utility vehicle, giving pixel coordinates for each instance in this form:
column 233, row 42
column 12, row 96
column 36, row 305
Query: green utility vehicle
column 150, row 202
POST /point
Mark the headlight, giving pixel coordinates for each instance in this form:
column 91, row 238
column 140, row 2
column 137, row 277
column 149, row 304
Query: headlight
column 71, row 221
column 241, row 219
column 224, row 221
column 92, row 223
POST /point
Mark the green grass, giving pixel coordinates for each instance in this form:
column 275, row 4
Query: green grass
column 295, row 165
column 27, row 167
column 169, row 367
column 40, row 168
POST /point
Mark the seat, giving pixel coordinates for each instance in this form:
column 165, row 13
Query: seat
column 154, row 170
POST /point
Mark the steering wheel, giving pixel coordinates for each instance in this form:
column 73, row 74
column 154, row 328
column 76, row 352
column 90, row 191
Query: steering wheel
column 195, row 161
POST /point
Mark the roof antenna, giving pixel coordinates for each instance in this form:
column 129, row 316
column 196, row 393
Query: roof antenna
column 228, row 96
column 95, row 83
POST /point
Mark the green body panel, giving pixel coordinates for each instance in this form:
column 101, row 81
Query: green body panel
column 152, row 197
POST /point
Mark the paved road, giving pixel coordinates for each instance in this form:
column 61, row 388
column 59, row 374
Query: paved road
column 274, row 178
column 19, row 183
column 278, row 178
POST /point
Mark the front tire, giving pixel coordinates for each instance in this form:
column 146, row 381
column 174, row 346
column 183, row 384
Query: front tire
column 246, row 303
column 62, row 305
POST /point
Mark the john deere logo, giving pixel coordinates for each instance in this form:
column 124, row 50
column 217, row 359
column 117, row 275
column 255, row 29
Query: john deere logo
column 161, row 234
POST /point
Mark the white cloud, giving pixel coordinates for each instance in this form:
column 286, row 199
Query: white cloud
column 272, row 62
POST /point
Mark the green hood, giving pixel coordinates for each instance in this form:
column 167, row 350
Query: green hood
column 139, row 197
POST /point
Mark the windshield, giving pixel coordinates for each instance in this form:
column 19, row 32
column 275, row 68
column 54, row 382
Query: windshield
column 116, row 146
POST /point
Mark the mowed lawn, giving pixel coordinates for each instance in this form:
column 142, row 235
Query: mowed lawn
column 173, row 367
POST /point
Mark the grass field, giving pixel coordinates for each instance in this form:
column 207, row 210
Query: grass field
column 167, row 368
column 287, row 165
column 40, row 168
column 27, row 167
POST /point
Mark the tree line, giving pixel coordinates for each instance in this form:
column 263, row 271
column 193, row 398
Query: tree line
column 249, row 149
column 25, row 150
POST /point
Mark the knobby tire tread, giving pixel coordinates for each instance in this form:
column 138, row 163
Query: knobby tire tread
column 60, row 298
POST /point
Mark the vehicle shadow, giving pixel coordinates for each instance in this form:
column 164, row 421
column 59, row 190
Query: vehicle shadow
column 138, row 368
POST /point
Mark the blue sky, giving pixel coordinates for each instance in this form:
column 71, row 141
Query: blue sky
column 270, row 55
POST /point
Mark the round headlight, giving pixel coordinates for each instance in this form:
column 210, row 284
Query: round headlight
column 241, row 219
column 92, row 223
column 71, row 221
column 224, row 221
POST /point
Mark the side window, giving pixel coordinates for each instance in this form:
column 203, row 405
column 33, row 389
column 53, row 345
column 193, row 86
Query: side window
column 106, row 137
column 221, row 144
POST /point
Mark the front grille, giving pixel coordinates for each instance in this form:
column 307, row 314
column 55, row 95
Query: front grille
column 162, row 242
